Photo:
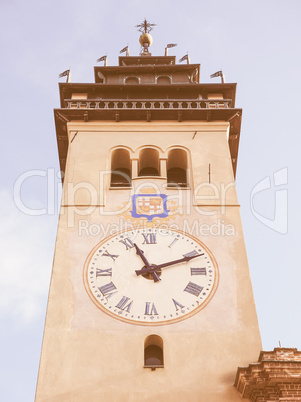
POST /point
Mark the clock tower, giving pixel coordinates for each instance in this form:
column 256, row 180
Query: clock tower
column 150, row 296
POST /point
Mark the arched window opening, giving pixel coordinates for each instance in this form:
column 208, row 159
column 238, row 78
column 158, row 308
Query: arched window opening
column 149, row 162
column 153, row 352
column 121, row 168
column 163, row 79
column 131, row 80
column 177, row 168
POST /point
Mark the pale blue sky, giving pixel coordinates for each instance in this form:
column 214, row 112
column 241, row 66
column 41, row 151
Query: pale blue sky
column 256, row 43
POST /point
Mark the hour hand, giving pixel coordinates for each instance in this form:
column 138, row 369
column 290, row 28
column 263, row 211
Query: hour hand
column 141, row 254
column 147, row 264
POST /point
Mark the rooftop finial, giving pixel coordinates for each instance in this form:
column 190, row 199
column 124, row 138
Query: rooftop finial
column 145, row 26
column 145, row 39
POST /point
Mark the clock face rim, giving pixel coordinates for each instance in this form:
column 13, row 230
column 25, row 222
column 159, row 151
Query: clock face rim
column 153, row 323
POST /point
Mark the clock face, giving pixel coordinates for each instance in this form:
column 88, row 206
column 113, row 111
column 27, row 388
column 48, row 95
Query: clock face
column 151, row 276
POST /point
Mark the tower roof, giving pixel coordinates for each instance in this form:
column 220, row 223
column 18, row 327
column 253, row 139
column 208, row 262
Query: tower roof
column 148, row 88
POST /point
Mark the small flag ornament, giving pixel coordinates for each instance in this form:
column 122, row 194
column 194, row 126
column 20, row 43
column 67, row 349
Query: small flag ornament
column 125, row 49
column 66, row 74
column 102, row 58
column 219, row 74
column 168, row 47
column 186, row 57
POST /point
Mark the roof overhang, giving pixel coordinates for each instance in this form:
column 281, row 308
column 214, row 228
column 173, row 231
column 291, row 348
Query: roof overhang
column 63, row 116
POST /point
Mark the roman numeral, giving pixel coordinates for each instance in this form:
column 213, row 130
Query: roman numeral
column 150, row 309
column 108, row 290
column 125, row 304
column 191, row 254
column 107, row 254
column 127, row 242
column 149, row 238
column 171, row 244
column 193, row 288
column 103, row 272
column 177, row 305
column 198, row 271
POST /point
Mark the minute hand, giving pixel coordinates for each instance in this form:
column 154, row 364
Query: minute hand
column 155, row 268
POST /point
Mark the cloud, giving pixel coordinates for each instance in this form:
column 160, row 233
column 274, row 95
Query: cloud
column 27, row 244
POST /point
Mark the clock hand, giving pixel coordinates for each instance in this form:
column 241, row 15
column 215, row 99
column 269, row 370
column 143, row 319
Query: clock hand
column 184, row 259
column 154, row 268
column 147, row 264
column 141, row 254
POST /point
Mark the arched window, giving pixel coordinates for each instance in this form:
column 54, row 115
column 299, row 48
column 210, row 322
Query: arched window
column 153, row 352
column 121, row 168
column 148, row 162
column 177, row 168
column 163, row 79
column 131, row 80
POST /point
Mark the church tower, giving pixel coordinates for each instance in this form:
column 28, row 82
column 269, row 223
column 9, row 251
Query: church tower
column 150, row 296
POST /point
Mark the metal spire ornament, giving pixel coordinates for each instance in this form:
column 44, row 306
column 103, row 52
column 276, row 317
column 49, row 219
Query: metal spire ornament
column 145, row 26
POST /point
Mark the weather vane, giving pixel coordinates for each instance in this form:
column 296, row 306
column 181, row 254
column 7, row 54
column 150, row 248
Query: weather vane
column 145, row 26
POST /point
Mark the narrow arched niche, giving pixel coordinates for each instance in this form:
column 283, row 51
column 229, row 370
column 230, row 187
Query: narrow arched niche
column 120, row 168
column 131, row 80
column 149, row 162
column 163, row 80
column 153, row 352
column 177, row 168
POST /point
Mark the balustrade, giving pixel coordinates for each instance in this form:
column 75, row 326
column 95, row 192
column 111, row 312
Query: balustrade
column 148, row 104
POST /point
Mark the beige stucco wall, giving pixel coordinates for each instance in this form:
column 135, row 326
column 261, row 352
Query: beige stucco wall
column 88, row 355
column 92, row 144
